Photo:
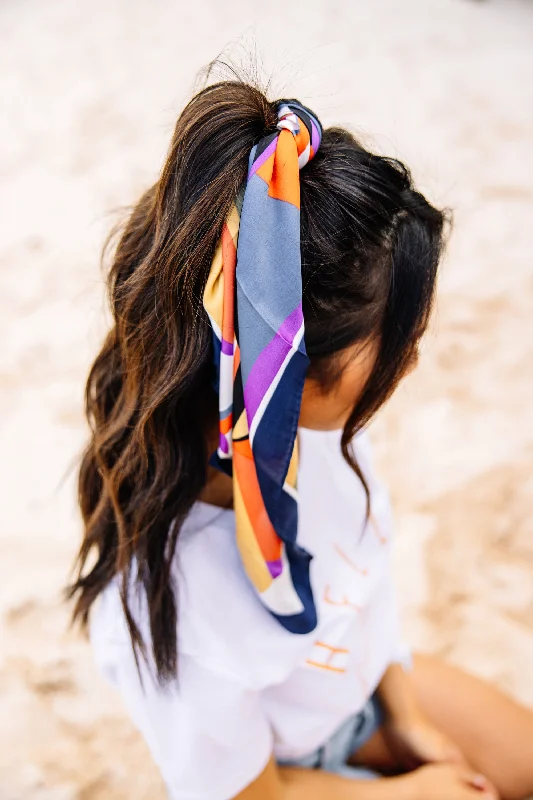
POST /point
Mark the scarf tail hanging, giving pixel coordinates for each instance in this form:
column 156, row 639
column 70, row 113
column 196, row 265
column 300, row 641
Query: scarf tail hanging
column 253, row 298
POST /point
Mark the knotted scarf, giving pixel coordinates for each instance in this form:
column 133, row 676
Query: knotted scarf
column 253, row 298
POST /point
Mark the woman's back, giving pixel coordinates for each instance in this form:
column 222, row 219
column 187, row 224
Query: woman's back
column 245, row 685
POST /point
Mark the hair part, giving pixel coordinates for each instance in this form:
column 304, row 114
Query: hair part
column 370, row 247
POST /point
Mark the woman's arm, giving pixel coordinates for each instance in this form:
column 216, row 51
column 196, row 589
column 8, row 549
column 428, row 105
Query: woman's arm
column 293, row 783
column 397, row 694
column 434, row 782
column 411, row 736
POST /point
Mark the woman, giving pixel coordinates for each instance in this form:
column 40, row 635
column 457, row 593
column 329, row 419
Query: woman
column 269, row 293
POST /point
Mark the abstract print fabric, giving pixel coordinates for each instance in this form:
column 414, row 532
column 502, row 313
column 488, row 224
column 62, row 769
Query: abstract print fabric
column 253, row 298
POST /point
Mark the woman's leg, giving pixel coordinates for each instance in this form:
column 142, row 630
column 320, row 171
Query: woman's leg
column 493, row 731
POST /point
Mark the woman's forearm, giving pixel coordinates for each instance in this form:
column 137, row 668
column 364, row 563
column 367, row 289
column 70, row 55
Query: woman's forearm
column 397, row 694
column 293, row 783
column 311, row 784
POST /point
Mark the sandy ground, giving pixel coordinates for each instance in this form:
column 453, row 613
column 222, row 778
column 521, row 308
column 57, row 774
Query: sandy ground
column 89, row 93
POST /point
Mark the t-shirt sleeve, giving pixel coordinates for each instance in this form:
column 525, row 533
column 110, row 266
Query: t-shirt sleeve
column 206, row 730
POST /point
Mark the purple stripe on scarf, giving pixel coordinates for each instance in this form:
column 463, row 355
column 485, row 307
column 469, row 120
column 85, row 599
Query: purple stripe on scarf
column 263, row 157
column 315, row 138
column 269, row 361
column 292, row 324
column 223, row 443
column 227, row 347
column 275, row 567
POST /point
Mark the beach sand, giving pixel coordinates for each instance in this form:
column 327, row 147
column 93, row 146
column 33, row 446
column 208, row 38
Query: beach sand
column 89, row 94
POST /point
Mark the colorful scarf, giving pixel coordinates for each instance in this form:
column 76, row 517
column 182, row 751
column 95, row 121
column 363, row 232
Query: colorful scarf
column 253, row 298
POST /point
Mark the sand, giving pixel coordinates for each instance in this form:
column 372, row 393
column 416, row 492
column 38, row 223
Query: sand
column 89, row 94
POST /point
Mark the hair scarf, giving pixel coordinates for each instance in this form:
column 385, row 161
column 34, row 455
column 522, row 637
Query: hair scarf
column 253, row 298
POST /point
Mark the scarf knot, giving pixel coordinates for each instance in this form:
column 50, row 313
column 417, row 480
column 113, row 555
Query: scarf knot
column 306, row 129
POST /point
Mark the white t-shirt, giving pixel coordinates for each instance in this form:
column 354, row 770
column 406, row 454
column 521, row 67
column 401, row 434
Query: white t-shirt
column 246, row 687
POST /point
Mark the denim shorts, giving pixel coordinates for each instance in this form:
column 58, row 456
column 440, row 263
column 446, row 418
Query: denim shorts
column 352, row 734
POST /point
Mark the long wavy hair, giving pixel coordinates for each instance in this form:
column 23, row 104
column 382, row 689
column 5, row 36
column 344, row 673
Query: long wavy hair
column 370, row 247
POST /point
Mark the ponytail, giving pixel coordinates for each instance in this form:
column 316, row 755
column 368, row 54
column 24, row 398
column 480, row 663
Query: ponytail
column 149, row 400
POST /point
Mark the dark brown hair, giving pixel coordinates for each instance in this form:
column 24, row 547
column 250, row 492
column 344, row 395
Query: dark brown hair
column 370, row 246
